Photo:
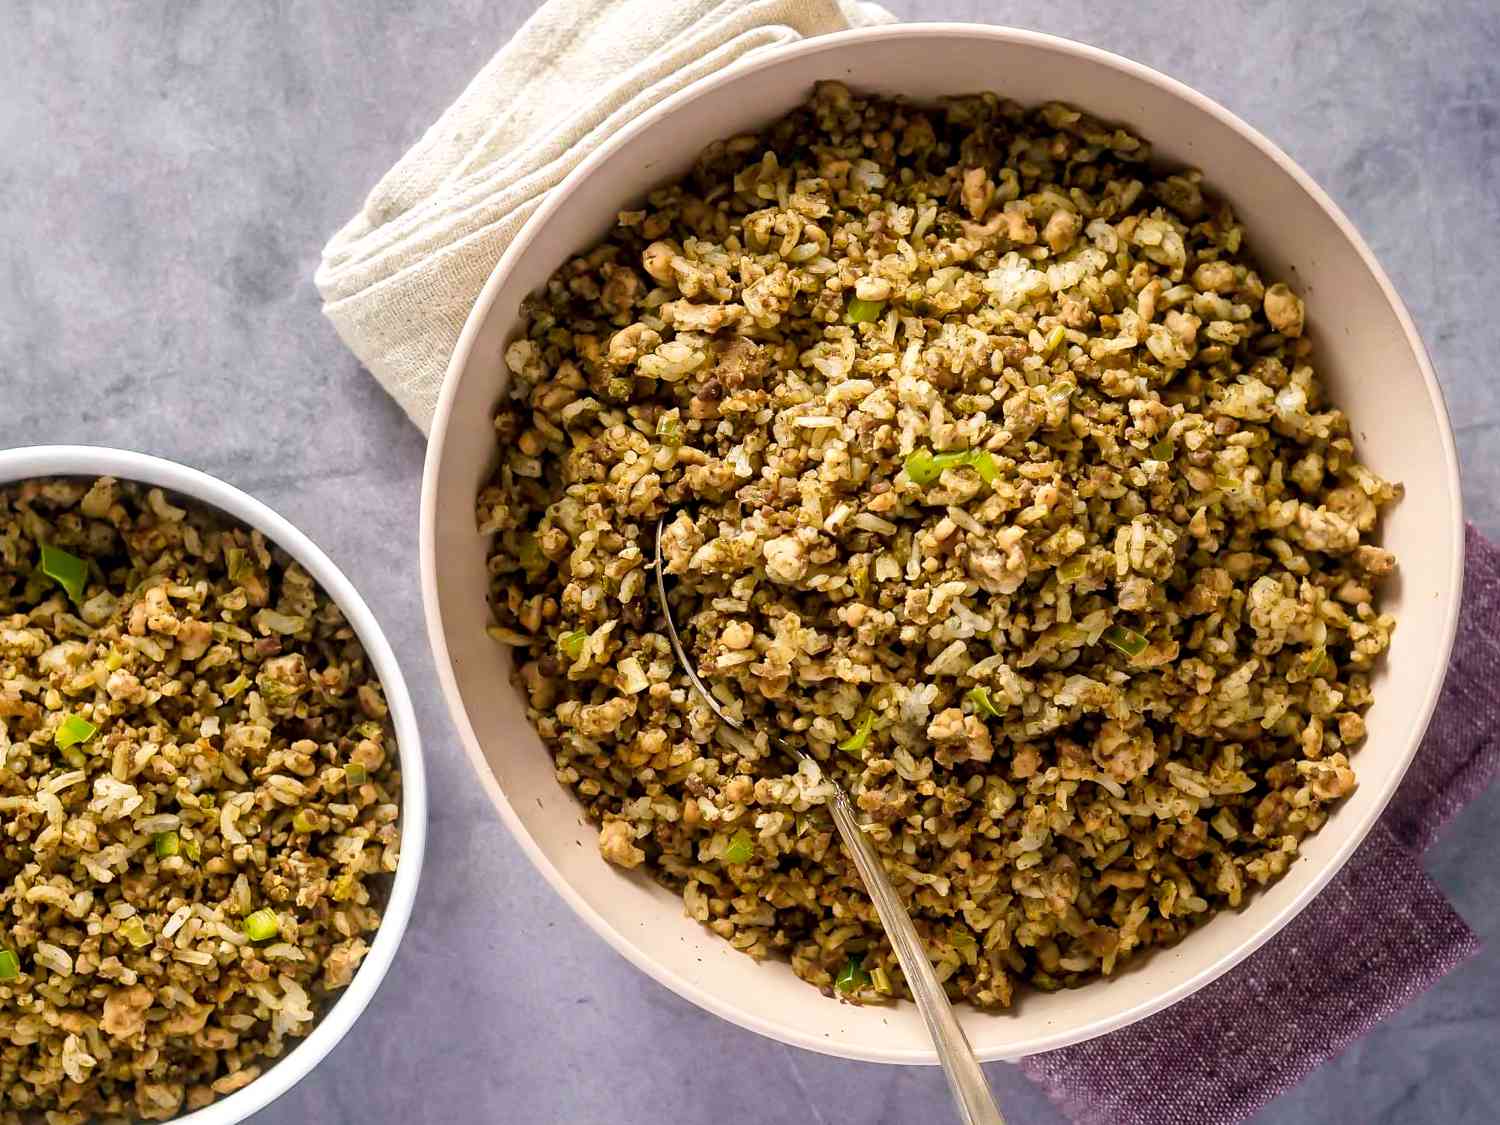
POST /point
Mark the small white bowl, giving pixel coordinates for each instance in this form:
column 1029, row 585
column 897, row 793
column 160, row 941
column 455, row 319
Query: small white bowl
column 1366, row 348
column 94, row 461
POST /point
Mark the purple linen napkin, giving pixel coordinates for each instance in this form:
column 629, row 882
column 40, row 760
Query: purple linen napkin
column 1381, row 934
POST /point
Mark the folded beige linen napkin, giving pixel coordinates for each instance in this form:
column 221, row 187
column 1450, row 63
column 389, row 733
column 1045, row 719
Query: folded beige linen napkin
column 399, row 280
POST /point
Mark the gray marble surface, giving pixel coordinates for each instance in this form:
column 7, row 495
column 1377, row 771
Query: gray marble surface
column 168, row 173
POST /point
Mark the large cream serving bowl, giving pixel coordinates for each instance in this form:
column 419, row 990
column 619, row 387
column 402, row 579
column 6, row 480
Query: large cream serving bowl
column 1366, row 348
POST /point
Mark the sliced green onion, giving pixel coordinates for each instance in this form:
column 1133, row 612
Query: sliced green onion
column 356, row 774
column 856, row 741
column 570, row 644
column 191, row 849
column 980, row 698
column 924, row 466
column 1317, row 662
column 10, row 965
column 166, row 844
column 133, row 930
column 68, row 571
column 669, row 429
column 984, row 465
column 234, row 687
column 921, row 467
column 852, row 977
column 1124, row 640
column 881, row 979
column 1164, row 450
column 1054, row 339
column 1074, row 569
column 262, row 924
column 74, row 730
column 740, row 849
column 1228, row 482
column 863, row 312
column 114, row 660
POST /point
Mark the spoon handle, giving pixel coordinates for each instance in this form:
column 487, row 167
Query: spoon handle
column 971, row 1093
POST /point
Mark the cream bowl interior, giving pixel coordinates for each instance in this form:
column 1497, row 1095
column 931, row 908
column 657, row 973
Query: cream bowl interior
column 93, row 461
column 1366, row 348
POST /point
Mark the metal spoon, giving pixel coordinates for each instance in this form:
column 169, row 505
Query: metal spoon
column 971, row 1093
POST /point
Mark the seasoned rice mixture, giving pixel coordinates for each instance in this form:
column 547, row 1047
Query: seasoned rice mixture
column 1002, row 481
column 198, row 791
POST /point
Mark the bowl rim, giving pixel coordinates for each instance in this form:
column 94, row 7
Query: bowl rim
column 459, row 363
column 38, row 461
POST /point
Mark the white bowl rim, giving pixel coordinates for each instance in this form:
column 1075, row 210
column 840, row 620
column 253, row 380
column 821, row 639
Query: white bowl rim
column 787, row 1033
column 37, row 461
